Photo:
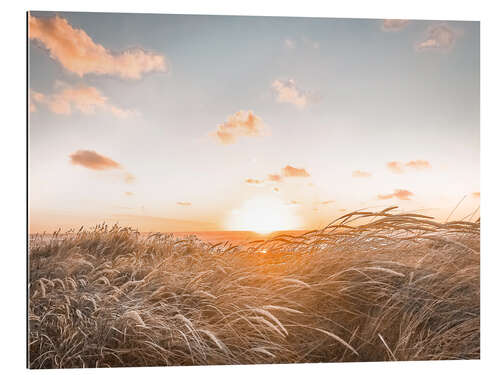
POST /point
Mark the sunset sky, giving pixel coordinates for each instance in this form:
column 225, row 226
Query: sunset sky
column 193, row 123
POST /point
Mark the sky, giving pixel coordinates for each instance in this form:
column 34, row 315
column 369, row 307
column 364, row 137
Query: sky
column 198, row 123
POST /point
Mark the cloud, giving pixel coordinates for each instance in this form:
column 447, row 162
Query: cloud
column 184, row 203
column 129, row 193
column 276, row 189
column 418, row 164
column 290, row 43
column 310, row 43
column 395, row 167
column 33, row 98
column 327, row 202
column 361, row 174
column 241, row 124
column 77, row 52
column 92, row 160
column 85, row 99
column 293, row 203
column 274, row 177
column 129, row 178
column 394, row 25
column 253, row 181
column 438, row 37
column 287, row 91
column 476, row 194
column 290, row 171
column 399, row 194
column 399, row 168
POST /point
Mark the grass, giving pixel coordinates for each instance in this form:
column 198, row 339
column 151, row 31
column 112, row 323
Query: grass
column 398, row 287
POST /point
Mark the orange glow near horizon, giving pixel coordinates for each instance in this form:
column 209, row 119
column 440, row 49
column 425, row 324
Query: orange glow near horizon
column 263, row 214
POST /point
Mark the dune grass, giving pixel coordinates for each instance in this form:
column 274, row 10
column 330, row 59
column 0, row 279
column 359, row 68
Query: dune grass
column 398, row 287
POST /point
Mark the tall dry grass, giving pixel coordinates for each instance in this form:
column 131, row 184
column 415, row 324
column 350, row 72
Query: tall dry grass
column 398, row 287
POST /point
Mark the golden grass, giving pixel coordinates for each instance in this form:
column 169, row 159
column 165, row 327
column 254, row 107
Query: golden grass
column 400, row 287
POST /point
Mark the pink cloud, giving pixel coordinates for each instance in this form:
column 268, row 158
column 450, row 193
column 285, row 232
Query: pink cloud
column 274, row 177
column 276, row 189
column 438, row 37
column 399, row 167
column 287, row 91
column 418, row 164
column 77, row 52
column 290, row 171
column 253, row 181
column 398, row 193
column 394, row 25
column 241, row 124
column 81, row 98
column 92, row 160
column 327, row 202
column 476, row 194
column 395, row 167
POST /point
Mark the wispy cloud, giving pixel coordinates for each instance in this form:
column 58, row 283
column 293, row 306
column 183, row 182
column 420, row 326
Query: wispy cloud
column 241, row 124
column 290, row 43
column 253, row 181
column 77, row 52
column 398, row 193
column 395, row 167
column 184, row 203
column 394, row 25
column 81, row 98
column 327, row 202
column 128, row 178
column 361, row 174
column 418, row 164
column 274, row 177
column 476, row 194
column 129, row 193
column 287, row 171
column 92, row 160
column 287, row 91
column 310, row 43
column 290, row 171
column 399, row 167
column 276, row 189
column 438, row 37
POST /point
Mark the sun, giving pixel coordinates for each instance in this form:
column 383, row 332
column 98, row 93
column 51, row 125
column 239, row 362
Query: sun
column 264, row 214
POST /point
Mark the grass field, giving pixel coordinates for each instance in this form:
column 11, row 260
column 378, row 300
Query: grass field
column 369, row 287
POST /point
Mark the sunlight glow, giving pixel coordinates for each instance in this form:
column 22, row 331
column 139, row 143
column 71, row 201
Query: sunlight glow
column 263, row 214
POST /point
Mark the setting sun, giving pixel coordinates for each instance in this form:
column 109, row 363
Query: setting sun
column 263, row 215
